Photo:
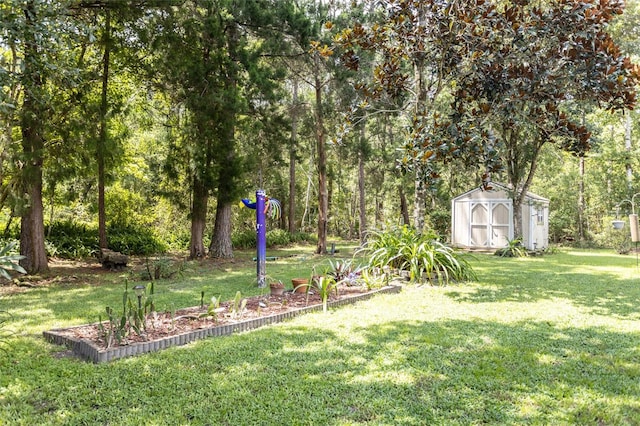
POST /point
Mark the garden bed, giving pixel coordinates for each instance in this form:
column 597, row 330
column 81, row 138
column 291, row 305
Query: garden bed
column 167, row 329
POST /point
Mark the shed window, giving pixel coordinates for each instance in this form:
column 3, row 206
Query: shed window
column 540, row 215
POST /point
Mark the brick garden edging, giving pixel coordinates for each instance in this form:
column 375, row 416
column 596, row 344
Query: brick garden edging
column 91, row 352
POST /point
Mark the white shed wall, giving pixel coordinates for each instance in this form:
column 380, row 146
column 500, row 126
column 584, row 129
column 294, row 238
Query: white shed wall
column 484, row 220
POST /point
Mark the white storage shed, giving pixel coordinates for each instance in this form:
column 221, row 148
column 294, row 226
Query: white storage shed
column 483, row 219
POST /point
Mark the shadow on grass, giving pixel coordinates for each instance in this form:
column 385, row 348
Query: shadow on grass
column 605, row 284
column 41, row 308
column 77, row 301
column 446, row 372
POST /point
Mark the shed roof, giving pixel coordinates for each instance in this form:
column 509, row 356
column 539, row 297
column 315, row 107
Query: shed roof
column 500, row 186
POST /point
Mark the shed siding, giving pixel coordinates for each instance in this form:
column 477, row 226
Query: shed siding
column 484, row 219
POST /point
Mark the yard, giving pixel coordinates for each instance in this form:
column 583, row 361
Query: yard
column 540, row 340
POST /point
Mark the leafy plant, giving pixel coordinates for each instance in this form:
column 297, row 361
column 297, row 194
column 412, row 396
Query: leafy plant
column 213, row 309
column 245, row 239
column 239, row 305
column 162, row 268
column 514, row 248
column 116, row 327
column 119, row 327
column 9, row 260
column 324, row 285
column 69, row 239
column 373, row 278
column 135, row 240
column 421, row 255
column 72, row 240
column 150, row 299
column 340, row 269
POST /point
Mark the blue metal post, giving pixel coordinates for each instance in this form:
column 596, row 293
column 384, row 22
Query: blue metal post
column 261, row 238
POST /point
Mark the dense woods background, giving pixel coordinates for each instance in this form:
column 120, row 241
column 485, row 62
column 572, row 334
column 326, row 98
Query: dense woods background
column 139, row 125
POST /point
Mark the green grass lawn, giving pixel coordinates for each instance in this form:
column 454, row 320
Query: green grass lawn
column 543, row 340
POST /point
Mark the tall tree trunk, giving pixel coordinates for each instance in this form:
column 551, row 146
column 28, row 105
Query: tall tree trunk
column 361, row 189
column 353, row 213
column 32, row 222
column 404, row 209
column 102, row 140
column 517, row 214
column 581, row 201
column 582, row 234
column 627, row 148
column 307, row 204
column 292, row 160
column 323, row 195
column 221, row 246
column 610, row 165
column 521, row 185
column 419, row 208
column 198, row 218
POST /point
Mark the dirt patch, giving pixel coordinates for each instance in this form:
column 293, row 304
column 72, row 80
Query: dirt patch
column 162, row 324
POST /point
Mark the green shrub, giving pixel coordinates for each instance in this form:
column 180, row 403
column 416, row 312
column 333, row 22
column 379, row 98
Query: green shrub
column 177, row 241
column 246, row 239
column 440, row 221
column 9, row 259
column 278, row 237
column 71, row 240
column 421, row 255
column 75, row 240
column 124, row 206
column 616, row 239
column 514, row 248
column 303, row 237
column 135, row 240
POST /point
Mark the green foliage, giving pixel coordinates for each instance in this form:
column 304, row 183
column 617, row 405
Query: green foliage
column 132, row 318
column 135, row 240
column 74, row 240
column 373, row 278
column 514, row 248
column 616, row 239
column 278, row 238
column 422, row 255
column 246, row 239
column 69, row 239
column 9, row 260
column 162, row 268
column 126, row 208
column 342, row 270
column 440, row 221
column 213, row 309
column 521, row 45
column 239, row 305
column 561, row 225
column 324, row 285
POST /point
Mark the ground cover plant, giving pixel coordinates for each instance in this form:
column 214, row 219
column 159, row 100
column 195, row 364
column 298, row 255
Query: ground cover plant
column 536, row 340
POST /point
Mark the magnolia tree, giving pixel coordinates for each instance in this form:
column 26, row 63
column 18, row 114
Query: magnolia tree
column 487, row 84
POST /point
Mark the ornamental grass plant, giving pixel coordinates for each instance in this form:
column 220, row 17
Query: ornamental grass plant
column 422, row 255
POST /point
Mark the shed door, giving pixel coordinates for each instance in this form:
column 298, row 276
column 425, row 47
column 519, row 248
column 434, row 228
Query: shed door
column 539, row 228
column 490, row 224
